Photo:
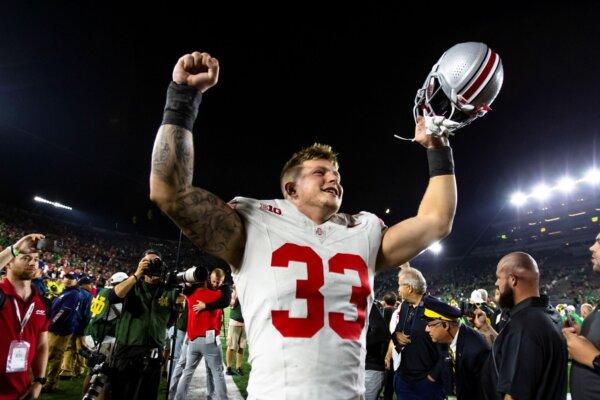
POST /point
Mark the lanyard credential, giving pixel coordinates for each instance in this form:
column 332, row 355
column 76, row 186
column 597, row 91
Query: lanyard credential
column 24, row 321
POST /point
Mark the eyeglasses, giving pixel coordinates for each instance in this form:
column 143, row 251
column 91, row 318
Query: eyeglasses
column 433, row 324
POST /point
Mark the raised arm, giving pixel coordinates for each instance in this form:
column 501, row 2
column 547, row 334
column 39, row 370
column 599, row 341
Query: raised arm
column 433, row 221
column 25, row 245
column 203, row 217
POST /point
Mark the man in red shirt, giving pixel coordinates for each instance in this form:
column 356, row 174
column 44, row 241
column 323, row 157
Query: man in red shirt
column 203, row 332
column 23, row 323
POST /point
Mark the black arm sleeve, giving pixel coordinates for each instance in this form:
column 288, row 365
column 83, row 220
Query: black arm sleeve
column 114, row 299
column 223, row 301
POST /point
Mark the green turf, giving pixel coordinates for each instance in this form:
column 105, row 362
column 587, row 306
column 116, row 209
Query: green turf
column 67, row 390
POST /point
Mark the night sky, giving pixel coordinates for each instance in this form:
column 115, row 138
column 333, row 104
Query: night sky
column 82, row 90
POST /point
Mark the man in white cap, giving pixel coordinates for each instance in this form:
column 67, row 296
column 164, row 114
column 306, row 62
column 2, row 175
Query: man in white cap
column 101, row 329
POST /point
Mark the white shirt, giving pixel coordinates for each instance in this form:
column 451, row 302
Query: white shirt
column 453, row 343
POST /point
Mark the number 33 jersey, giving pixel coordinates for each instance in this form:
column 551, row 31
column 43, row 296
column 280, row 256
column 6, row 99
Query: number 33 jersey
column 305, row 291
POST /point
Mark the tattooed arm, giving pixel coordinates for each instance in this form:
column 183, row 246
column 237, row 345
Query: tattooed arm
column 208, row 221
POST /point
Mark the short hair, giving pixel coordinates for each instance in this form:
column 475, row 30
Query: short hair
column 390, row 298
column 414, row 278
column 219, row 273
column 317, row 151
column 152, row 251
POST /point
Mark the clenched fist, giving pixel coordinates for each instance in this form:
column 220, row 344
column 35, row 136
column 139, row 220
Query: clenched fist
column 198, row 70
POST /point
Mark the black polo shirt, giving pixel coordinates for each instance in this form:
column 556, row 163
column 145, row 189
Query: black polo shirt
column 585, row 382
column 421, row 356
column 529, row 357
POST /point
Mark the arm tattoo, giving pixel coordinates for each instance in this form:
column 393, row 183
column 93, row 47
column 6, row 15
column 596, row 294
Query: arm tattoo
column 173, row 156
column 206, row 219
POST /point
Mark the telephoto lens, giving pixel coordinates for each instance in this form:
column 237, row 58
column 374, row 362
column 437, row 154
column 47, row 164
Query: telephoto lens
column 192, row 275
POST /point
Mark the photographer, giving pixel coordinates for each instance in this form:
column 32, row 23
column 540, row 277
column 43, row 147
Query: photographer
column 102, row 326
column 140, row 331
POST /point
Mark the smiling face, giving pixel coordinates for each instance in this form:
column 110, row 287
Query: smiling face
column 317, row 185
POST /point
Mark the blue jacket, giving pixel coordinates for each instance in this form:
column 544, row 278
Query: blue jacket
column 84, row 314
column 64, row 312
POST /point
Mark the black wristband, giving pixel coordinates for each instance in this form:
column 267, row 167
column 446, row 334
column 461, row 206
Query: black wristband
column 182, row 105
column 40, row 379
column 440, row 161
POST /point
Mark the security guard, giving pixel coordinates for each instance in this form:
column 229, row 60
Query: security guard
column 467, row 351
column 141, row 331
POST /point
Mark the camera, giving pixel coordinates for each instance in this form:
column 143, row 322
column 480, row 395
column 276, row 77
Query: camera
column 468, row 309
column 99, row 370
column 157, row 267
column 191, row 276
column 47, row 245
column 97, row 383
column 94, row 357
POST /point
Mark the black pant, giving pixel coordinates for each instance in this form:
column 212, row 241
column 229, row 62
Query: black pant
column 135, row 373
column 388, row 384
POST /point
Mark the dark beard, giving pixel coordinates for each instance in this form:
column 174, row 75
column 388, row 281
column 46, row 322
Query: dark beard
column 24, row 275
column 507, row 298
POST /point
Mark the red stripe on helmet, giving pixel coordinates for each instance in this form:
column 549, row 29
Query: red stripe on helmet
column 483, row 76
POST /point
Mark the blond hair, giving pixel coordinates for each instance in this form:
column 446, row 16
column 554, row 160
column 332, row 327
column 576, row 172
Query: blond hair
column 219, row 273
column 292, row 167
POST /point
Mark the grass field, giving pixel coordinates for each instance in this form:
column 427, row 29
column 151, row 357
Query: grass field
column 72, row 389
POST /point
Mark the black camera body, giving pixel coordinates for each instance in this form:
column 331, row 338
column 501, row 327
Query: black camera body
column 468, row 309
column 174, row 278
column 157, row 268
column 47, row 245
column 93, row 357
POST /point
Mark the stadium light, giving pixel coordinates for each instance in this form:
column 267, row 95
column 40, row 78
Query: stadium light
column 541, row 192
column 566, row 185
column 435, row 248
column 518, row 199
column 52, row 203
column 592, row 176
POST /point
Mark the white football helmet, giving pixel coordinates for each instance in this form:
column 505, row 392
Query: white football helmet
column 470, row 76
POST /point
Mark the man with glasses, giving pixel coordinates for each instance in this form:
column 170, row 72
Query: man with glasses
column 467, row 350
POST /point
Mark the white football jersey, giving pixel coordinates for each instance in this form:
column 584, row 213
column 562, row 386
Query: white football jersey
column 306, row 292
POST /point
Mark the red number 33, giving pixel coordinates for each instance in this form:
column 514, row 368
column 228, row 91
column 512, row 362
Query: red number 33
column 309, row 289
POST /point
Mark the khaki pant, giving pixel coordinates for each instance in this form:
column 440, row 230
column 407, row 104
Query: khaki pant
column 236, row 338
column 72, row 363
column 57, row 345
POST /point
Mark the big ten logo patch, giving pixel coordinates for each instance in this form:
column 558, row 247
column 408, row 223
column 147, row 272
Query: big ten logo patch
column 270, row 208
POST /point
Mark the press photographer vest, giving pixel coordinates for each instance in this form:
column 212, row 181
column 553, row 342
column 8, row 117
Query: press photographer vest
column 145, row 317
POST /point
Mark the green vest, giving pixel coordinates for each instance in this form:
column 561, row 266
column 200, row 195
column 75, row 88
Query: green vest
column 147, row 324
column 182, row 323
column 236, row 313
column 99, row 325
